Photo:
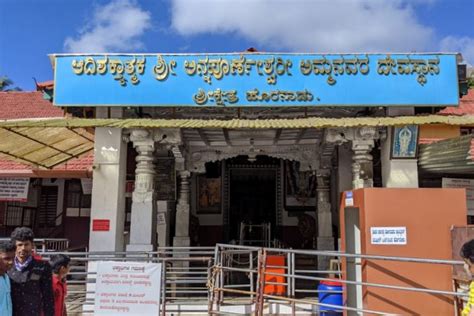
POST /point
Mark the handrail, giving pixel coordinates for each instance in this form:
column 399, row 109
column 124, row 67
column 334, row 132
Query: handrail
column 223, row 268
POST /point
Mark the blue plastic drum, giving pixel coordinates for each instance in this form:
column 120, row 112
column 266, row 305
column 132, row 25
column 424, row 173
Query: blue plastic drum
column 330, row 292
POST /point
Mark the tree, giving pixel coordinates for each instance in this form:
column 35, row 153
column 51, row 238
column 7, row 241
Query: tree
column 6, row 83
column 470, row 82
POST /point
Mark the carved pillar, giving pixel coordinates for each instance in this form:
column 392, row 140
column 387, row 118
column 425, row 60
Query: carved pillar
column 143, row 221
column 325, row 239
column 183, row 211
column 362, row 167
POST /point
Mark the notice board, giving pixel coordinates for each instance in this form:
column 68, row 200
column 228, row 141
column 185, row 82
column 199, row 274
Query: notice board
column 128, row 288
column 14, row 189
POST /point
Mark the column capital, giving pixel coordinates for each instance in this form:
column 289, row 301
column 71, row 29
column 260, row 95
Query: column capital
column 323, row 173
column 168, row 136
column 139, row 134
column 341, row 135
column 184, row 174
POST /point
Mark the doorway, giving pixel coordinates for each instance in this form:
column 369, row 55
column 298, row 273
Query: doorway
column 252, row 199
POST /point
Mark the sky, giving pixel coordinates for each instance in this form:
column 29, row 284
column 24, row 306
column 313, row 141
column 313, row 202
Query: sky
column 32, row 29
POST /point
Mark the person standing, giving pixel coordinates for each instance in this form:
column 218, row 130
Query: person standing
column 7, row 253
column 31, row 279
column 60, row 266
column 467, row 253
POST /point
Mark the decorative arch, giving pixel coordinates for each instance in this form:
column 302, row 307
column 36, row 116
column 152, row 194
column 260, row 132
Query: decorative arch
column 306, row 155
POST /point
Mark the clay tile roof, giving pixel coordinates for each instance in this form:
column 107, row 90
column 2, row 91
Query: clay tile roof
column 81, row 164
column 466, row 106
column 27, row 105
column 23, row 105
column 45, row 85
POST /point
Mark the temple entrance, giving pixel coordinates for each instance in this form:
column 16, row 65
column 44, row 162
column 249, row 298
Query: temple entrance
column 252, row 199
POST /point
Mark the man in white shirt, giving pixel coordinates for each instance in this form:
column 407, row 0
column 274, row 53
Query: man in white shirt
column 7, row 254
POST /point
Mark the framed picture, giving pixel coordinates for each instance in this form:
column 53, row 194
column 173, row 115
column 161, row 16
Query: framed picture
column 404, row 142
column 300, row 188
column 209, row 198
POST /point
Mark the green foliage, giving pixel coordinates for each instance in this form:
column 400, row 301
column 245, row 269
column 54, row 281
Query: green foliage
column 470, row 83
column 6, row 85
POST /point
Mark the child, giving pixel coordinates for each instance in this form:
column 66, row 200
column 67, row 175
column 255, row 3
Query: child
column 60, row 266
column 7, row 253
column 467, row 253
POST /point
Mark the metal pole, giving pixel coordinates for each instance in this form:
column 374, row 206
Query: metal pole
column 163, row 291
column 251, row 274
column 261, row 291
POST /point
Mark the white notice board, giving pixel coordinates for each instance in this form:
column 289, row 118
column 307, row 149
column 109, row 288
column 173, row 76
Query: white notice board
column 388, row 235
column 128, row 288
column 467, row 184
column 14, row 189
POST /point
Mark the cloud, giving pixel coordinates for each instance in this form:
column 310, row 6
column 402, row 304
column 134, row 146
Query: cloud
column 116, row 26
column 309, row 26
column 464, row 45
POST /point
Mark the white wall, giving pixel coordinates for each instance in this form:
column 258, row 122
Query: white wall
column 401, row 173
column 108, row 190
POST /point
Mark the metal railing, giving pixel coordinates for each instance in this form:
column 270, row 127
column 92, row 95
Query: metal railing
column 216, row 280
column 290, row 281
column 48, row 244
column 184, row 277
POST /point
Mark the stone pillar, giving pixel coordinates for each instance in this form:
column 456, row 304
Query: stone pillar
column 143, row 221
column 108, row 190
column 325, row 239
column 163, row 223
column 362, row 167
column 362, row 139
column 183, row 212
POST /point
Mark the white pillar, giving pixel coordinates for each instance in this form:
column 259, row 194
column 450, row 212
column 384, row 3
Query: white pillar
column 183, row 212
column 325, row 238
column 108, row 191
column 143, row 221
column 108, row 198
column 362, row 167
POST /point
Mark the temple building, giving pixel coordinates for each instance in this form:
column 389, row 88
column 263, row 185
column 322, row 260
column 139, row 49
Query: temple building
column 246, row 148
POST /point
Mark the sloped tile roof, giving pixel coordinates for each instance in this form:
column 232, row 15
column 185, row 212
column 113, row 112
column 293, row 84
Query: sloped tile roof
column 83, row 164
column 466, row 106
column 45, row 85
column 31, row 105
column 26, row 105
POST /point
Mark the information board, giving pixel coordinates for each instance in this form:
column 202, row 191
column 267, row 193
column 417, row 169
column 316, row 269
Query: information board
column 388, row 235
column 14, row 189
column 256, row 79
column 128, row 288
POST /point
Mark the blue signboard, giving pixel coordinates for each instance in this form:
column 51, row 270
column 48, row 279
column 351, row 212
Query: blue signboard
column 256, row 79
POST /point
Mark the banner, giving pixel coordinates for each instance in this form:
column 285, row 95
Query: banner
column 128, row 288
column 256, row 79
column 14, row 189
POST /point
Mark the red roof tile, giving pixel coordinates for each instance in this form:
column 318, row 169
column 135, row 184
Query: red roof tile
column 24, row 105
column 45, row 85
column 81, row 165
column 466, row 106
